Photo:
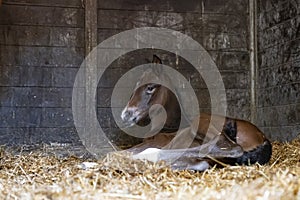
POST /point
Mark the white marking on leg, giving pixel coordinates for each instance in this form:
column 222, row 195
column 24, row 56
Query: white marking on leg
column 150, row 154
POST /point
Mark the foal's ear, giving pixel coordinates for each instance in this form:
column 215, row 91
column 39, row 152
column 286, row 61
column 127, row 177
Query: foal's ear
column 156, row 59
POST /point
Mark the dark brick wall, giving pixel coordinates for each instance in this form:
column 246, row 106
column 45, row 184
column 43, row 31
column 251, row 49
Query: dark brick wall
column 41, row 48
column 279, row 68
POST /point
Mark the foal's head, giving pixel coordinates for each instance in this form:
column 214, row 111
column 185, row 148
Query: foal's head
column 148, row 92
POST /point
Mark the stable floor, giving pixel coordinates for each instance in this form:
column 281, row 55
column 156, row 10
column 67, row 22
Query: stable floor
column 40, row 176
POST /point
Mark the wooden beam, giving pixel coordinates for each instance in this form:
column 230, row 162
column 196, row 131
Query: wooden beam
column 96, row 143
column 90, row 25
column 253, row 59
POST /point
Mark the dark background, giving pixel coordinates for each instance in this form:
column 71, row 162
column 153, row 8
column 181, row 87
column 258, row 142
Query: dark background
column 42, row 45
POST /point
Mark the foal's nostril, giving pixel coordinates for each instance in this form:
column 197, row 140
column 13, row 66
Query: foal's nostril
column 126, row 115
column 134, row 119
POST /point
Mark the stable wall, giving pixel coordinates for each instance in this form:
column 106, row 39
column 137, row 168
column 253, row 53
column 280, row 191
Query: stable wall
column 278, row 83
column 41, row 48
column 221, row 27
column 42, row 45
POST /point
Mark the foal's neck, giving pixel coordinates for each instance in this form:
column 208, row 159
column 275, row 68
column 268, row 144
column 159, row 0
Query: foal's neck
column 173, row 114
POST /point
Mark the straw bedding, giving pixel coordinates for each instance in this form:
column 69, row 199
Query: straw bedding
column 37, row 176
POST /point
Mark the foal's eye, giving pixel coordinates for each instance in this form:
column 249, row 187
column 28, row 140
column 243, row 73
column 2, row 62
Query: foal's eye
column 150, row 89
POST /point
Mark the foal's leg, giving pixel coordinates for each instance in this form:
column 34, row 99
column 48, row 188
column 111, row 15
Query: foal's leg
column 169, row 148
column 158, row 141
column 211, row 131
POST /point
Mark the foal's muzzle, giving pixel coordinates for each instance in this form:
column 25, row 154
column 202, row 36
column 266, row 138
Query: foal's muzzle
column 130, row 116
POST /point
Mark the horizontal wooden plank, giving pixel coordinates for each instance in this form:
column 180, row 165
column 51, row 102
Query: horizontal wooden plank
column 224, row 60
column 105, row 117
column 104, row 97
column 35, row 117
column 236, row 79
column 41, row 36
column 231, row 60
column 238, row 97
column 285, row 115
column 129, row 19
column 234, row 99
column 19, row 136
column 287, row 73
column 222, row 41
column 57, row 97
column 14, row 136
column 120, row 138
column 209, row 39
column 46, row 3
column 110, row 77
column 11, row 96
column 20, row 117
column 41, row 56
column 239, row 7
column 279, row 95
column 279, row 54
column 32, row 136
column 239, row 112
column 120, row 19
column 267, row 6
column 63, row 77
column 42, row 16
column 221, row 23
column 60, row 135
column 205, row 6
column 279, row 34
column 273, row 14
column 57, row 117
column 24, row 76
column 151, row 5
column 35, row 97
column 282, row 133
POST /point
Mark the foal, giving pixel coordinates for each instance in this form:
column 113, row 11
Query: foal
column 238, row 141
